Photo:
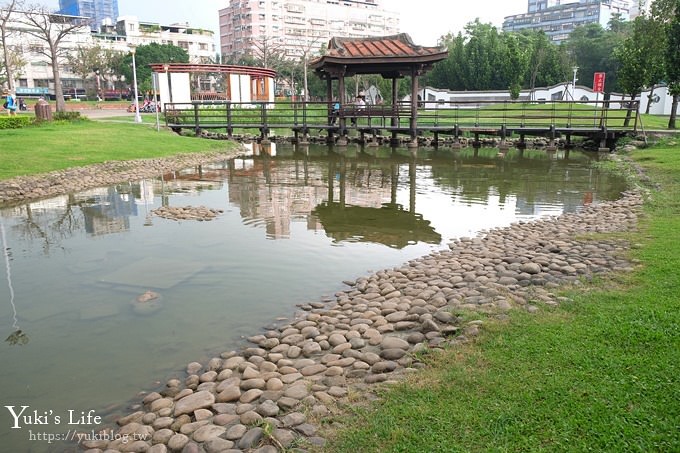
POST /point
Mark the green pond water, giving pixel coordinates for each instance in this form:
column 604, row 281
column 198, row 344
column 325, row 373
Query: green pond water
column 296, row 223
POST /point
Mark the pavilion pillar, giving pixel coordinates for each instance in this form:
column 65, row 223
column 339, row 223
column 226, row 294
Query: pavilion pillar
column 395, row 112
column 413, row 122
column 342, row 139
column 329, row 95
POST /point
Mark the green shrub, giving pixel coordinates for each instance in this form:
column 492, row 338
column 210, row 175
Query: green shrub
column 15, row 122
column 67, row 116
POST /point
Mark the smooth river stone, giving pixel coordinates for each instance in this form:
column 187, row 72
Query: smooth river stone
column 208, row 432
column 198, row 400
column 394, row 342
column 229, row 394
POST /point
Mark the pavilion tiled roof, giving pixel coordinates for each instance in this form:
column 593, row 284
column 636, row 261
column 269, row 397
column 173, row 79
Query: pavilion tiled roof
column 391, row 56
column 399, row 45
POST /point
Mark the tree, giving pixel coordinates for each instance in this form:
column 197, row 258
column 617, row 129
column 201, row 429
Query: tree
column 673, row 63
column 11, row 59
column 592, row 50
column 52, row 29
column 146, row 55
column 548, row 63
column 482, row 54
column 667, row 13
column 268, row 51
column 451, row 72
column 640, row 56
column 95, row 60
column 515, row 54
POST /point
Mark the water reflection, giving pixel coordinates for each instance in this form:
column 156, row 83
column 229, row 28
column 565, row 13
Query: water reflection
column 351, row 194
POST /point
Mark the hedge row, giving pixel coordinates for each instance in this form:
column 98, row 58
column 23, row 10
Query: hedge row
column 15, row 122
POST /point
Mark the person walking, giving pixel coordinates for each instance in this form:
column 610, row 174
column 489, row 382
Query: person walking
column 10, row 103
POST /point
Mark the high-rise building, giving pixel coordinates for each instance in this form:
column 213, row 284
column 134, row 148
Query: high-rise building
column 102, row 12
column 299, row 26
column 557, row 18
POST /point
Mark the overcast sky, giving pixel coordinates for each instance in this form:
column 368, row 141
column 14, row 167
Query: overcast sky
column 424, row 20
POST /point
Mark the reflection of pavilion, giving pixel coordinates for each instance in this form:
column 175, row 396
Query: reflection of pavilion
column 390, row 225
column 357, row 201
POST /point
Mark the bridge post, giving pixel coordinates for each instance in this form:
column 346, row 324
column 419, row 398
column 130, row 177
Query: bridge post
column 503, row 146
column 603, row 141
column 230, row 128
column 522, row 144
column 551, row 142
column 456, row 138
column 476, row 144
column 197, row 126
column 305, row 137
column 374, row 138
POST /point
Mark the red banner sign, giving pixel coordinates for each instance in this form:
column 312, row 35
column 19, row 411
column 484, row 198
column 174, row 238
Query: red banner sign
column 598, row 82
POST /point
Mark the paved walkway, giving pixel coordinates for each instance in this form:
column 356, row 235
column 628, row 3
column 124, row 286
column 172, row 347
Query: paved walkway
column 106, row 113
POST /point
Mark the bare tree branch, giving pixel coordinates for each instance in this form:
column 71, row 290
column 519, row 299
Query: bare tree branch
column 9, row 59
column 51, row 29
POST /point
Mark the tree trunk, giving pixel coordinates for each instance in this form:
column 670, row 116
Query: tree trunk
column 629, row 111
column 674, row 110
column 8, row 68
column 58, row 90
column 649, row 99
column 8, row 10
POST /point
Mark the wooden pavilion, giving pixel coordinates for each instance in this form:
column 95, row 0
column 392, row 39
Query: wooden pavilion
column 393, row 57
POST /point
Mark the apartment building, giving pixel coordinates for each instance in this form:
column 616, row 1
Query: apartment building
column 299, row 26
column 557, row 18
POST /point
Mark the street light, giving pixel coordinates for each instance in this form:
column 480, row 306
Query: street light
column 133, row 49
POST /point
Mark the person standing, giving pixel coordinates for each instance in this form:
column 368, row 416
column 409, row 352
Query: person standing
column 10, row 103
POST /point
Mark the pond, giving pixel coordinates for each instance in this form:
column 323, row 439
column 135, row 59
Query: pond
column 296, row 223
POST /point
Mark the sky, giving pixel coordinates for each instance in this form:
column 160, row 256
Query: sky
column 424, row 20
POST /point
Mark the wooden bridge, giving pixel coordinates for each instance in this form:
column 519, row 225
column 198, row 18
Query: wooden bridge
column 603, row 121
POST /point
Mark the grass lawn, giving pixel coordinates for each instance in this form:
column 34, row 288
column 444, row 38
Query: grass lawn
column 601, row 373
column 59, row 145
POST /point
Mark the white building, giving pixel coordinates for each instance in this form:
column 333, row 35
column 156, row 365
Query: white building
column 299, row 26
column 199, row 43
column 35, row 78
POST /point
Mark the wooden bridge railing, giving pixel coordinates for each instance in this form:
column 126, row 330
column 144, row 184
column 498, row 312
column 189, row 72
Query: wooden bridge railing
column 433, row 116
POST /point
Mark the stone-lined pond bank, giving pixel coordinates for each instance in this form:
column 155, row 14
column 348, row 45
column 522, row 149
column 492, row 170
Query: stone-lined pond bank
column 271, row 394
column 28, row 188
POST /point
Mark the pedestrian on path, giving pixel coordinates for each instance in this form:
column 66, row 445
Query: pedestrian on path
column 10, row 103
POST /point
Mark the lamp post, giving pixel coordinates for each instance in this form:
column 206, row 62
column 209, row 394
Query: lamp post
column 133, row 49
column 573, row 85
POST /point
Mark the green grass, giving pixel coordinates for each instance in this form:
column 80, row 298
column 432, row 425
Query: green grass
column 654, row 122
column 59, row 145
column 598, row 374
